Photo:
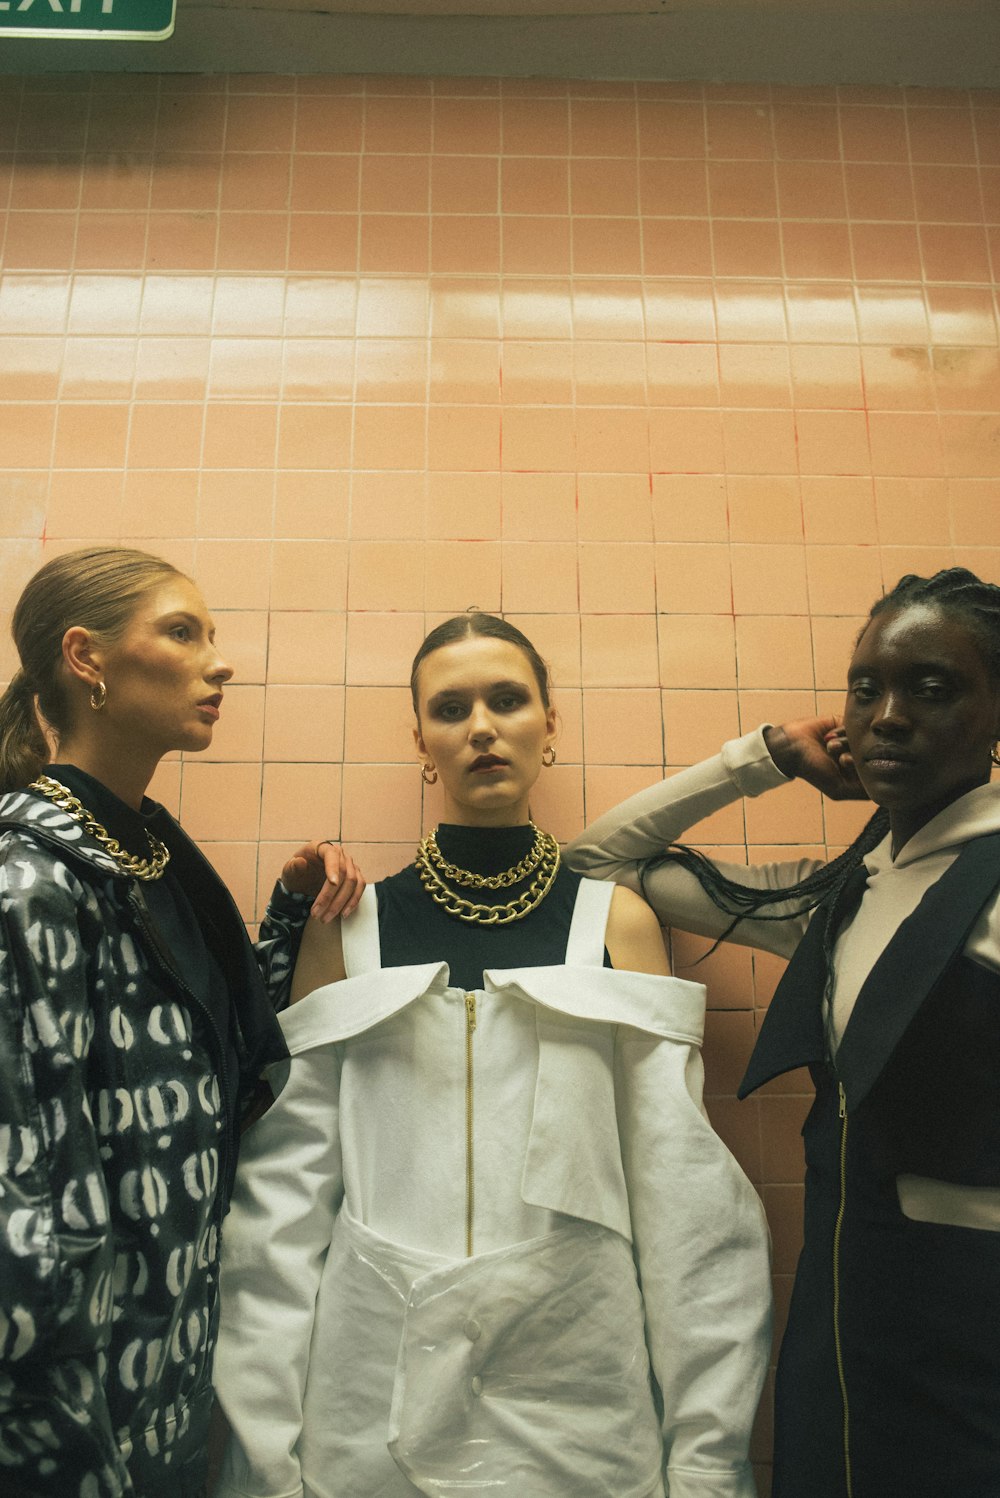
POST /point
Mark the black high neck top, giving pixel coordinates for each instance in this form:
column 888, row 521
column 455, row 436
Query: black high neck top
column 413, row 928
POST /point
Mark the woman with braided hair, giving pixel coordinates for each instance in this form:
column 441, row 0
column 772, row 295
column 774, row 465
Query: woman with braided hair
column 134, row 1021
column 889, row 1373
column 486, row 1240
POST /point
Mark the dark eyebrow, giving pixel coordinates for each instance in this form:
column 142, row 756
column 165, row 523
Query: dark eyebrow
column 943, row 668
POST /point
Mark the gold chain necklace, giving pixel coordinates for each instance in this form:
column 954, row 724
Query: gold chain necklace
column 142, row 868
column 529, row 863
column 490, row 915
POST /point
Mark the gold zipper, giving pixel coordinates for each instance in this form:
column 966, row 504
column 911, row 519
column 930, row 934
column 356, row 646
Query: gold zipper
column 470, row 1183
column 836, row 1289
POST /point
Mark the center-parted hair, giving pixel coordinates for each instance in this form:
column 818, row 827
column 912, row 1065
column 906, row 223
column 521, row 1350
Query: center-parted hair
column 959, row 595
column 488, row 626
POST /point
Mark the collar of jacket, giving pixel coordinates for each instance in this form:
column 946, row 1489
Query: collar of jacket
column 253, row 1028
column 910, row 967
column 29, row 812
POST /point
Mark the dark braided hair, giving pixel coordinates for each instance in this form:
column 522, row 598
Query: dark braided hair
column 960, row 594
column 956, row 592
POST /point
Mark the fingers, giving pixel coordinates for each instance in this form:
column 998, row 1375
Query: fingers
column 811, row 730
column 343, row 883
column 326, row 871
column 816, row 751
column 838, row 749
column 835, row 743
column 295, row 873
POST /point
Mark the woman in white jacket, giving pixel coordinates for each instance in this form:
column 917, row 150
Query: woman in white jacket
column 485, row 1239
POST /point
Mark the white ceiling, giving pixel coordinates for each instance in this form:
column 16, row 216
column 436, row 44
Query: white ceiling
column 947, row 43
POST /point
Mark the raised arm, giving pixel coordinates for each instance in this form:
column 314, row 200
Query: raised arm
column 321, row 881
column 631, row 838
column 320, row 959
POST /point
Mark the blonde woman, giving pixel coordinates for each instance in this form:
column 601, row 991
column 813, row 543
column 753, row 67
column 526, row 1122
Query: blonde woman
column 133, row 1021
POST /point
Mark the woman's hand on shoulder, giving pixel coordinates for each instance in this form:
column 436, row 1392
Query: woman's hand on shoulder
column 328, row 872
column 633, row 936
column 815, row 750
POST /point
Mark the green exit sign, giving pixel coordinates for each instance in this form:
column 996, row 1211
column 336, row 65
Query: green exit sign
column 104, row 20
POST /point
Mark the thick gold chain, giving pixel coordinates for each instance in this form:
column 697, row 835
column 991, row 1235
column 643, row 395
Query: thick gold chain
column 142, row 868
column 465, row 877
column 491, row 915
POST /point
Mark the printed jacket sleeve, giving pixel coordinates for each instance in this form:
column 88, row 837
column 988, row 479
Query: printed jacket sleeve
column 618, row 845
column 278, row 945
column 288, row 1190
column 701, row 1247
column 56, row 1254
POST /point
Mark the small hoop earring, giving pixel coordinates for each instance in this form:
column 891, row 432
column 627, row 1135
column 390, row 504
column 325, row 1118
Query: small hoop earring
column 428, row 774
column 98, row 696
column 550, row 751
column 995, row 754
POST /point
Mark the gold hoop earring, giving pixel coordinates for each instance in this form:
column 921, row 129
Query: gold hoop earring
column 550, row 751
column 98, row 696
column 428, row 774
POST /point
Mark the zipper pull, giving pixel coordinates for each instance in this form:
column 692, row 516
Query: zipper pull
column 843, row 1100
column 470, row 1011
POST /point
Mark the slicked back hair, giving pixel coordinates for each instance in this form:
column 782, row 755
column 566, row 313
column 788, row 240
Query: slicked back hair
column 487, row 626
column 98, row 588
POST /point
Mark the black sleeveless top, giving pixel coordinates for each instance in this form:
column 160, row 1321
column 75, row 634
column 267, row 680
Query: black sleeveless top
column 414, row 928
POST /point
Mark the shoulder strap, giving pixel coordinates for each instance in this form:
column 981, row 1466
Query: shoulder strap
column 359, row 934
column 585, row 946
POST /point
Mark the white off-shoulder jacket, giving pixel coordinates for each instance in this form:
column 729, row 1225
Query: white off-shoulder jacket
column 469, row 1227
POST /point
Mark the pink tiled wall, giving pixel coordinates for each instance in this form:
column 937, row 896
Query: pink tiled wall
column 677, row 376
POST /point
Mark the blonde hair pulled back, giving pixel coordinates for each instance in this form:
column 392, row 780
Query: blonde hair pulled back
column 98, row 588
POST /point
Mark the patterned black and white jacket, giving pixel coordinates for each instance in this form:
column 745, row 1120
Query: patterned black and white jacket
column 120, row 1097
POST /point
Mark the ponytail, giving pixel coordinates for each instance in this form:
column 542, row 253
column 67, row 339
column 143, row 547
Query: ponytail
column 23, row 750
